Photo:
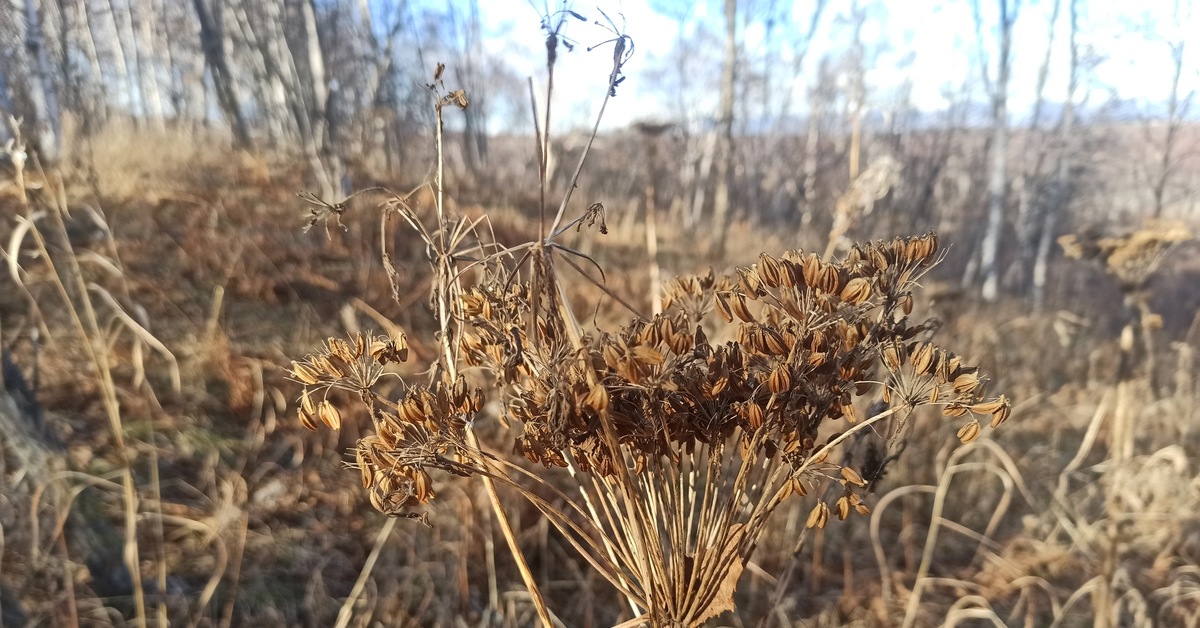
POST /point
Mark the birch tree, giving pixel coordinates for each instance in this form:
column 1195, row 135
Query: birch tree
column 42, row 93
column 212, row 44
column 997, row 89
column 725, row 129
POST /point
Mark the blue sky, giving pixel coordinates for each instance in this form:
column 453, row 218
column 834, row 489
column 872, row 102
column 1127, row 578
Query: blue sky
column 930, row 43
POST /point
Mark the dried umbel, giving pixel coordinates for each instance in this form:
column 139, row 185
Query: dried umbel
column 1130, row 257
column 683, row 431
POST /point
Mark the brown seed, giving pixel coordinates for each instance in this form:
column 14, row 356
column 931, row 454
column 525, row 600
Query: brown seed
column 818, row 516
column 306, row 403
column 305, row 373
column 723, row 307
column 770, row 271
column 329, row 415
column 649, row 335
column 965, row 384
column 341, row 349
column 774, row 341
column 780, row 380
column 647, row 356
column 364, row 469
column 738, row 304
column 924, row 358
column 812, row 270
column 612, row 356
column 852, row 476
column 422, row 486
column 843, row 507
column 1001, row 415
column 798, row 487
column 989, row 407
column 893, row 355
column 754, row 415
column 955, row 409
column 856, row 291
column 969, row 432
column 306, row 420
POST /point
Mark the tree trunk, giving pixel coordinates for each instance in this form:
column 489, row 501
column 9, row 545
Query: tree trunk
column 46, row 123
column 998, row 170
column 1030, row 193
column 725, row 126
column 147, row 61
column 1174, row 120
column 212, row 43
column 1062, row 182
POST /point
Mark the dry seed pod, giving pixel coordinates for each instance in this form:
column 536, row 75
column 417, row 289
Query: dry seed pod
column 955, row 409
column 780, row 380
column 969, row 432
column 878, row 260
column 412, row 411
column 1001, row 415
column 612, row 356
column 774, row 341
column 723, row 307
column 990, row 407
column 906, row 303
column 893, row 355
column 754, row 415
column 850, row 414
column 326, row 366
column 812, row 270
column 423, row 486
column 856, row 291
column 306, row 420
column 647, row 356
column 924, row 358
column 364, row 469
column 305, row 373
column 819, row 516
column 965, row 384
column 797, row 487
column 306, row 403
column 769, row 270
column 750, row 282
column 740, row 309
column 843, row 508
column 329, row 415
column 666, row 329
column 649, row 335
column 852, row 476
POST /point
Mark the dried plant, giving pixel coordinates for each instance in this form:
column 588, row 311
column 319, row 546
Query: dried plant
column 679, row 433
column 681, row 446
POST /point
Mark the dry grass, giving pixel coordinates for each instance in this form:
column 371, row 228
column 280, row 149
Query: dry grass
column 245, row 518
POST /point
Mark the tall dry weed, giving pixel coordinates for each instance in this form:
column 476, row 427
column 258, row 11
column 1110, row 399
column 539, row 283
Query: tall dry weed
column 660, row 449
